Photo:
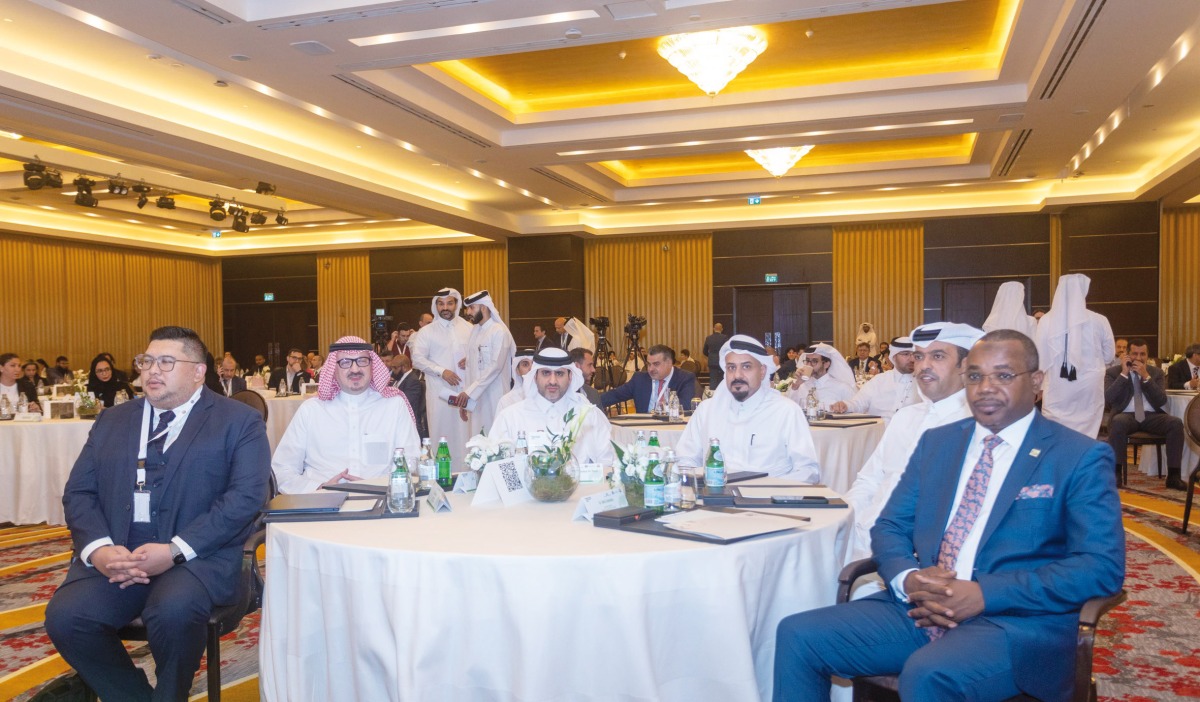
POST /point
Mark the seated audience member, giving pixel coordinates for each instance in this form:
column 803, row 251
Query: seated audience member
column 1185, row 374
column 212, row 377
column 60, row 373
column 687, row 363
column 888, row 391
column 863, row 362
column 759, row 429
column 1136, row 393
column 521, row 363
column 787, row 367
column 42, row 368
column 584, row 361
column 205, row 479
column 261, row 367
column 293, row 374
column 1000, row 528
column 884, row 349
column 937, row 362
column 1120, row 348
column 826, row 372
column 118, row 374
column 103, row 383
column 652, row 386
column 10, row 385
column 551, row 394
column 317, row 362
column 30, row 377
column 348, row 431
column 230, row 382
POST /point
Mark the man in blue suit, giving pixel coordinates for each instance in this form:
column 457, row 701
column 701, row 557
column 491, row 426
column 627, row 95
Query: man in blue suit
column 649, row 387
column 159, row 504
column 1001, row 527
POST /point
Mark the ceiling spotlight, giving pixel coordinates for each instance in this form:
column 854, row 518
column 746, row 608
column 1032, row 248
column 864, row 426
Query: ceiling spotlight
column 53, row 178
column 265, row 188
column 165, row 203
column 116, row 187
column 239, row 222
column 258, row 219
column 280, row 219
column 85, row 199
column 142, row 200
column 84, row 185
column 216, row 210
column 35, row 176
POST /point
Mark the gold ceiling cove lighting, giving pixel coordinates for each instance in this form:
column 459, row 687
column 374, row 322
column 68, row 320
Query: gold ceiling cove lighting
column 712, row 59
column 778, row 161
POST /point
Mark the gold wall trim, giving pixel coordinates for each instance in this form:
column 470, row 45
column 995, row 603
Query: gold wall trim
column 343, row 297
column 878, row 277
column 485, row 267
column 1179, row 280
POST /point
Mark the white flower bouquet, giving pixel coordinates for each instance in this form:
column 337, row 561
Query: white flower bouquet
column 482, row 449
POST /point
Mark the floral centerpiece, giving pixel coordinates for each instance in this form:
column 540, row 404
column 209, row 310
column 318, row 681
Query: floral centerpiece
column 552, row 472
column 785, row 384
column 632, row 468
column 482, row 450
column 86, row 405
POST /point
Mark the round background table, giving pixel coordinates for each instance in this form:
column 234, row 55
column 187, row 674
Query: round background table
column 280, row 411
column 35, row 462
column 489, row 603
column 1177, row 402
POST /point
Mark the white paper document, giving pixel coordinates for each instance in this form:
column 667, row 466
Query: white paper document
column 726, row 525
column 358, row 505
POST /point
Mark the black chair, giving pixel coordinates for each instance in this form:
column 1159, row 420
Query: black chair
column 878, row 688
column 1142, row 438
column 249, row 397
column 223, row 619
column 1191, row 424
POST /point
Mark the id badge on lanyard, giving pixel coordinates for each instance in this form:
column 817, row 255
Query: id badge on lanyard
column 141, row 496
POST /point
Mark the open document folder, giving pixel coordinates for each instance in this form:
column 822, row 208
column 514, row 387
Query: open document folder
column 726, row 525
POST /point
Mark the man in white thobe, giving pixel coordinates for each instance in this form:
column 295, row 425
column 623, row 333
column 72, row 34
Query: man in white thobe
column 887, row 392
column 581, row 336
column 1008, row 311
column 759, row 429
column 521, row 363
column 939, row 358
column 436, row 352
column 347, row 432
column 551, row 394
column 1074, row 344
column 825, row 370
column 490, row 350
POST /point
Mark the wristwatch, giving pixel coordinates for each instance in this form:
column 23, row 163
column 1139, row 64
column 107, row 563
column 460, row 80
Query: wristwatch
column 177, row 554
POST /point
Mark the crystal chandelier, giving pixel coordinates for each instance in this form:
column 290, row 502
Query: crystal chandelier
column 778, row 161
column 712, row 59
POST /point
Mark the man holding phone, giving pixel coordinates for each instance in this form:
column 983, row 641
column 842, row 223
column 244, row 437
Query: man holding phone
column 1137, row 395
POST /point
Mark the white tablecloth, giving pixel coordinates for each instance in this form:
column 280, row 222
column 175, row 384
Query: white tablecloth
column 1148, row 458
column 523, row 604
column 840, row 451
column 280, row 411
column 35, row 462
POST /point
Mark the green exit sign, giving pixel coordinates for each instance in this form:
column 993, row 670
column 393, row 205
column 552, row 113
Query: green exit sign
column 268, row 297
column 771, row 277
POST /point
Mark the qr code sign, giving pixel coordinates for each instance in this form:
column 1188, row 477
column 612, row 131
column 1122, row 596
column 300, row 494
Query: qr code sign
column 512, row 479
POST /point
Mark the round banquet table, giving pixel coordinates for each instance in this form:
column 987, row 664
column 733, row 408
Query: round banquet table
column 280, row 411
column 34, row 466
column 841, row 451
column 1177, row 403
column 521, row 603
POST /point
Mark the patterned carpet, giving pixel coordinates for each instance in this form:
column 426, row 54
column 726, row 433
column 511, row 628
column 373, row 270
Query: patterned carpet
column 1146, row 649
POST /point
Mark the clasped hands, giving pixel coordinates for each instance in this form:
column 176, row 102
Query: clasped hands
column 941, row 600
column 120, row 565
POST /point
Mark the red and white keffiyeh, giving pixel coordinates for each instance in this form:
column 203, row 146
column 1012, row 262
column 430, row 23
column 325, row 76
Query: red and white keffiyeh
column 352, row 347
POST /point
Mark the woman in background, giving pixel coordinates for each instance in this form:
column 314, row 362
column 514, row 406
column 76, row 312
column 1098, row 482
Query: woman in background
column 103, row 383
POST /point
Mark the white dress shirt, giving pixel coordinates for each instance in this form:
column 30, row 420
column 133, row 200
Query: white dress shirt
column 538, row 418
column 355, row 432
column 12, row 393
column 881, row 472
column 766, row 433
column 884, row 394
column 829, row 390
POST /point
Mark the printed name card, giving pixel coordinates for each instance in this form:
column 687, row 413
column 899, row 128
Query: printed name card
column 591, row 472
column 599, row 502
column 466, row 482
column 437, row 499
column 503, row 480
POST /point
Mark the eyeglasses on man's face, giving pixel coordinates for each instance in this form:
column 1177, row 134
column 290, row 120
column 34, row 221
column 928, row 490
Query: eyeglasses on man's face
column 145, row 362
column 361, row 362
column 295, row 358
column 998, row 378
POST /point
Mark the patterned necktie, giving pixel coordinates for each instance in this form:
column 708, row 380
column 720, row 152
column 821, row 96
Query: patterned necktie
column 968, row 511
column 1139, row 403
column 158, row 438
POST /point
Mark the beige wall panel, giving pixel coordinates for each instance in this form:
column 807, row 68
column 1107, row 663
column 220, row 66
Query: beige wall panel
column 1056, row 252
column 343, row 296
column 76, row 299
column 1179, row 280
column 485, row 267
column 671, row 288
column 878, row 277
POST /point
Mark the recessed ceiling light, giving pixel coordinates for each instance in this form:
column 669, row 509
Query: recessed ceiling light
column 221, row 84
column 476, row 27
column 239, row 57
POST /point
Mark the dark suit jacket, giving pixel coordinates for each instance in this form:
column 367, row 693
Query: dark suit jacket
column 542, row 343
column 712, row 348
column 1118, row 391
column 26, row 387
column 1178, row 374
column 413, row 387
column 563, row 341
column 1041, row 556
column 54, row 376
column 640, row 386
column 237, row 384
column 281, row 374
column 216, row 481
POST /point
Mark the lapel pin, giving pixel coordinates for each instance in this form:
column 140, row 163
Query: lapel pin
column 1035, row 452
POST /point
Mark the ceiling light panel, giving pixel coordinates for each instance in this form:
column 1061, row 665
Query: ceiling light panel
column 476, row 27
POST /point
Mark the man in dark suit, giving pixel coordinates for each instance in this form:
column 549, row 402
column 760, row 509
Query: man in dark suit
column 539, row 337
column 564, row 339
column 230, row 383
column 293, row 374
column 1136, row 394
column 159, row 504
column 410, row 382
column 1185, row 374
column 1000, row 528
column 649, row 387
column 712, row 349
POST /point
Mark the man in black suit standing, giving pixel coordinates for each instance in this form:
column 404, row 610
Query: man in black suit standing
column 539, row 337
column 293, row 374
column 1136, row 394
column 159, row 504
column 1185, row 374
column 652, row 386
column 410, row 382
column 712, row 349
column 230, row 383
column 564, row 339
